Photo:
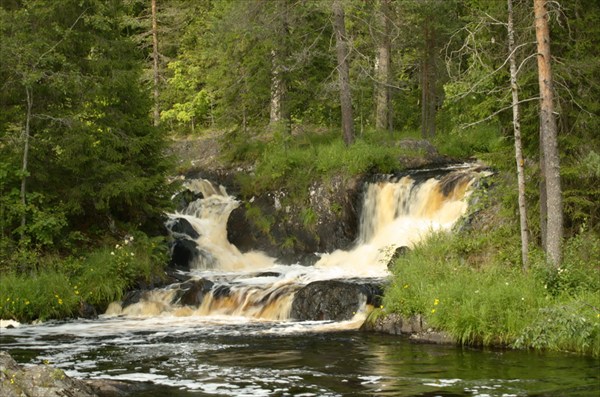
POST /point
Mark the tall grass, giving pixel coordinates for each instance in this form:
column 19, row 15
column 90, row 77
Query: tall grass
column 496, row 303
column 58, row 290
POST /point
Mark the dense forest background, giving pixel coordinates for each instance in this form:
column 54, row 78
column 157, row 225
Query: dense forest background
column 93, row 92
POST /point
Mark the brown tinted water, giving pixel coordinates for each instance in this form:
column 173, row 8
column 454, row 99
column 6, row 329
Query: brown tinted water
column 238, row 357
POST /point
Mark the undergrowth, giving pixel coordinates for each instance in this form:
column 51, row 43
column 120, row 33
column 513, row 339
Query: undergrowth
column 61, row 286
column 496, row 303
column 293, row 162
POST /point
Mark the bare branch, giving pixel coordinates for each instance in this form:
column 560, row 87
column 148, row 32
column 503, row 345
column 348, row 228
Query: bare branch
column 470, row 91
column 465, row 126
column 62, row 39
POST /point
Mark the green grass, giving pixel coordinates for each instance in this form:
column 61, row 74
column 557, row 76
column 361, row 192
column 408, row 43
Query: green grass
column 495, row 303
column 292, row 162
column 61, row 286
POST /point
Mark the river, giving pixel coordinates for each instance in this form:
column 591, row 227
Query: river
column 230, row 329
column 224, row 356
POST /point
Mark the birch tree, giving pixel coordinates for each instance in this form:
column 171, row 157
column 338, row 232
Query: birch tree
column 517, row 134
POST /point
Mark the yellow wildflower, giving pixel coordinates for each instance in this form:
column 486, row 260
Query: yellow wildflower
column 436, row 301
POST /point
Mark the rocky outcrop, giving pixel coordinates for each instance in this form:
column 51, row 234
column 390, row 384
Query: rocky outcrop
column 414, row 327
column 46, row 381
column 294, row 232
column 335, row 300
column 38, row 381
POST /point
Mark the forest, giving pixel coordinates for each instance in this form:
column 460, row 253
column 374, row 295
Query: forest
column 94, row 92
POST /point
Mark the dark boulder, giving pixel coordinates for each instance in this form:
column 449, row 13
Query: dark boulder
column 133, row 297
column 184, row 252
column 87, row 311
column 336, row 300
column 398, row 252
column 181, row 226
column 281, row 227
column 191, row 293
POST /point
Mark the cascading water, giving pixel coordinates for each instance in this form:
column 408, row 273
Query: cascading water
column 226, row 329
column 397, row 212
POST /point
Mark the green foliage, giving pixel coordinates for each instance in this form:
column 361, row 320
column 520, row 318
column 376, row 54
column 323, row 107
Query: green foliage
column 261, row 221
column 578, row 273
column 58, row 288
column 573, row 326
column 475, row 141
column 309, row 218
column 296, row 161
column 95, row 164
column 44, row 295
column 495, row 303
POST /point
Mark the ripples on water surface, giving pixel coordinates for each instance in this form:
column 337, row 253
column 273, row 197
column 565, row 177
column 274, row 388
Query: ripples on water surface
column 237, row 357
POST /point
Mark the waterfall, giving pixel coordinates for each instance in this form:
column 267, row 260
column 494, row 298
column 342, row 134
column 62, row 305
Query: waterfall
column 397, row 213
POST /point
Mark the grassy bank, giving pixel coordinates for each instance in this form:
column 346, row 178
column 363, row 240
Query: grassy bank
column 60, row 287
column 471, row 286
column 293, row 161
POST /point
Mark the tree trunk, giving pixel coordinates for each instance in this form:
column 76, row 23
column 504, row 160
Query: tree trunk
column 383, row 111
column 343, row 72
column 276, row 90
column 549, row 145
column 24, row 170
column 428, row 89
column 424, row 99
column 279, row 111
column 155, row 64
column 518, row 144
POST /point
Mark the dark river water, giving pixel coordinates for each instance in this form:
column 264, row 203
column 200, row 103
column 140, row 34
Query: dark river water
column 174, row 356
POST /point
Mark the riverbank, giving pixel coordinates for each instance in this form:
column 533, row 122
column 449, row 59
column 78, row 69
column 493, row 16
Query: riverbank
column 470, row 288
column 47, row 381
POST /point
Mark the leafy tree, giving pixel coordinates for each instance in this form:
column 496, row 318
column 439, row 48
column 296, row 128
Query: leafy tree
column 95, row 163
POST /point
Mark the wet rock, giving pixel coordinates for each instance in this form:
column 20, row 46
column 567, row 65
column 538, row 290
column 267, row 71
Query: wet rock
column 414, row 326
column 183, row 253
column 221, row 291
column 336, row 300
column 192, row 293
column 87, row 311
column 181, row 226
column 398, row 252
column 184, row 198
column 275, row 224
column 267, row 274
column 387, row 324
column 431, row 336
column 46, row 381
column 133, row 297
column 38, row 381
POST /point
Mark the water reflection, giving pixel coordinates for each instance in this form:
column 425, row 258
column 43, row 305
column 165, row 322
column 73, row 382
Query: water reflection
column 266, row 359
